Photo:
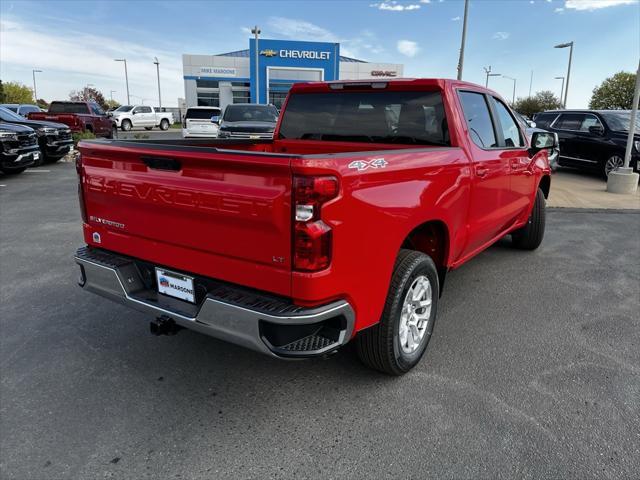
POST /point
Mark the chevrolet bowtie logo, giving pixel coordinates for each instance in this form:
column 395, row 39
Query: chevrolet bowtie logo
column 268, row 53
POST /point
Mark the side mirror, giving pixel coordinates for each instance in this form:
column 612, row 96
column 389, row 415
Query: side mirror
column 215, row 119
column 542, row 141
column 596, row 130
column 133, row 112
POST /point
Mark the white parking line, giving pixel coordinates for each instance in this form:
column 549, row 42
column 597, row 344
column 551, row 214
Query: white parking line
column 2, row 185
column 37, row 171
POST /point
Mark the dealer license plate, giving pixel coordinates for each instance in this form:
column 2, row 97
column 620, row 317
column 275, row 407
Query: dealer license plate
column 175, row 285
column 71, row 148
column 36, row 155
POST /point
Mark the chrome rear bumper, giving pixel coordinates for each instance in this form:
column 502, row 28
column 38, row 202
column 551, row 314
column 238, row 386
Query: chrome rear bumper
column 254, row 320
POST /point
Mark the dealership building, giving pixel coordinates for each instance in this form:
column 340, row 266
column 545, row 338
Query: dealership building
column 244, row 77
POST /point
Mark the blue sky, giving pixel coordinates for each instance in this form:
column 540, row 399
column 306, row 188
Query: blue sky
column 74, row 43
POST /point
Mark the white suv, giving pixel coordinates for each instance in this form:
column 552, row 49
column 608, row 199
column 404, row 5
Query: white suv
column 201, row 122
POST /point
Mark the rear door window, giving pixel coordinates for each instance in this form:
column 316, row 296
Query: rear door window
column 476, row 112
column 544, row 120
column 569, row 121
column 64, row 107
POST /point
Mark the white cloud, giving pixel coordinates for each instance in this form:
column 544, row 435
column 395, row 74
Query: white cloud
column 245, row 30
column 394, row 6
column 501, row 35
column 425, row 1
column 300, row 29
column 595, row 4
column 559, row 10
column 72, row 58
column 408, row 48
column 455, row 19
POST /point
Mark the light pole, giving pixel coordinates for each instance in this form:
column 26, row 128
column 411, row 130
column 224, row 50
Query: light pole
column 111, row 92
column 487, row 70
column 562, row 87
column 35, row 90
column 157, row 64
column 513, row 98
column 464, row 38
column 530, row 83
column 566, row 89
column 126, row 76
column 256, row 31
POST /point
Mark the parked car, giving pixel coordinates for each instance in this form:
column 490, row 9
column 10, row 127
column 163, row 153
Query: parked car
column 530, row 127
column 54, row 139
column 592, row 139
column 342, row 227
column 248, row 120
column 79, row 117
column 129, row 116
column 19, row 148
column 21, row 109
column 201, row 122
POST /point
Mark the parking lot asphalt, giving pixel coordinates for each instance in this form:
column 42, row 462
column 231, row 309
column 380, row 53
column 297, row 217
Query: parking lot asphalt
column 533, row 370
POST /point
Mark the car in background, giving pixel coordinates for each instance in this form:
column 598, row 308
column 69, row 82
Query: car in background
column 530, row 127
column 248, row 120
column 201, row 122
column 592, row 139
column 79, row 117
column 18, row 148
column 54, row 139
column 21, row 109
column 129, row 116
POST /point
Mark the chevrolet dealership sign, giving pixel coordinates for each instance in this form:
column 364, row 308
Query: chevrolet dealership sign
column 218, row 71
column 302, row 54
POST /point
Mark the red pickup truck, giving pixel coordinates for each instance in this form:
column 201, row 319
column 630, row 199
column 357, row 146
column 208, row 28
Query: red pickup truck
column 342, row 227
column 79, row 116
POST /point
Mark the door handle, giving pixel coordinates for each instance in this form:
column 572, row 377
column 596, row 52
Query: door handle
column 482, row 171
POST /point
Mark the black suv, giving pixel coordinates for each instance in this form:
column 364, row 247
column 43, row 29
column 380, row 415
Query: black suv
column 18, row 148
column 54, row 138
column 592, row 139
column 248, row 120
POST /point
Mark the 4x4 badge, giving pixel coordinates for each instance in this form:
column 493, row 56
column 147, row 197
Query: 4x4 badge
column 361, row 165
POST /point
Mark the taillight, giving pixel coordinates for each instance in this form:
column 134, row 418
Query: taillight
column 311, row 236
column 83, row 209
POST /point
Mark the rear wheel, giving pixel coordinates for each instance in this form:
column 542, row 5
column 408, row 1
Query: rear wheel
column 12, row 170
column 126, row 125
column 530, row 236
column 396, row 344
column 164, row 124
column 614, row 162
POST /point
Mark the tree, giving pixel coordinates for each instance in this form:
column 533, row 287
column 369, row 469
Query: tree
column 15, row 92
column 42, row 103
column 88, row 94
column 615, row 93
column 541, row 101
column 2, row 95
column 112, row 104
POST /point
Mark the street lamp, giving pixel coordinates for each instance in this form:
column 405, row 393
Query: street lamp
column 256, row 31
column 566, row 90
column 157, row 64
column 126, row 76
column 489, row 74
column 464, row 38
column 562, row 87
column 513, row 98
column 35, row 91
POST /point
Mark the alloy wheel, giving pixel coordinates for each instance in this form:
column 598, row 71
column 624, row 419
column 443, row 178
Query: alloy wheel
column 416, row 312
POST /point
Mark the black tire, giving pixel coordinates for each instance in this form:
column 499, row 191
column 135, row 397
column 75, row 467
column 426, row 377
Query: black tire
column 148, row 128
column 164, row 124
column 12, row 170
column 126, row 125
column 379, row 347
column 530, row 236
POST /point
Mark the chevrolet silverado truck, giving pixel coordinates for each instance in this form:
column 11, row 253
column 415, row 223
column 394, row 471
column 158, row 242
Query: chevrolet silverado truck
column 18, row 148
column 342, row 227
column 129, row 116
column 78, row 116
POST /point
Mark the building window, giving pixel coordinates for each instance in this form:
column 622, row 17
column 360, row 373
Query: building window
column 208, row 99
column 277, row 98
column 206, row 83
column 241, row 96
column 240, row 84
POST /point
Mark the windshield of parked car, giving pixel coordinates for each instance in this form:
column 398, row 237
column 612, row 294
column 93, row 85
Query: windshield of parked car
column 620, row 121
column 68, row 107
column 13, row 108
column 124, row 108
column 202, row 113
column 250, row 113
column 7, row 115
column 372, row 116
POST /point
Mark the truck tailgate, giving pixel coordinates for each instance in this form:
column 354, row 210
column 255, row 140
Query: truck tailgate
column 220, row 214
